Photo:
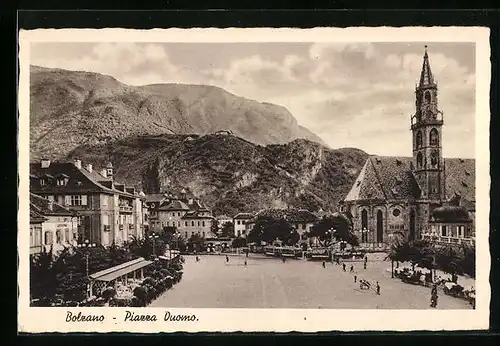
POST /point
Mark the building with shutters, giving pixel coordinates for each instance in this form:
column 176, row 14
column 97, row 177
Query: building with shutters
column 51, row 225
column 405, row 196
column 108, row 211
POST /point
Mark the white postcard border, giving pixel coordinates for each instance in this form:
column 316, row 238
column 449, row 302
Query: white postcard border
column 38, row 319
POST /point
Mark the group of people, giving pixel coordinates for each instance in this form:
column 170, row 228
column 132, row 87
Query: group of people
column 434, row 296
column 363, row 284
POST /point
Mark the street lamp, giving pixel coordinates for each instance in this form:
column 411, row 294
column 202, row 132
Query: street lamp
column 87, row 245
column 332, row 232
column 153, row 237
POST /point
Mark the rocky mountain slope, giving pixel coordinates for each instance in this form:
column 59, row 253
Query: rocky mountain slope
column 229, row 173
column 70, row 108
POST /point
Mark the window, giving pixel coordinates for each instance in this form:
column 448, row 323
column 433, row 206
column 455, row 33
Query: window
column 66, row 235
column 461, row 232
column 48, row 238
column 419, row 140
column 434, row 137
column 178, row 214
column 434, row 159
column 427, row 96
column 51, row 198
column 443, row 231
column 203, row 234
column 396, row 212
column 419, row 160
column 244, row 232
column 186, row 234
column 42, row 182
column 76, row 200
column 105, row 200
column 192, row 223
column 185, row 223
column 178, row 224
column 239, row 222
column 239, row 233
column 198, row 223
column 61, row 182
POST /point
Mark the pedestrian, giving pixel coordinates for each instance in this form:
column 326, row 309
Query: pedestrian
column 355, row 278
column 245, row 262
column 283, row 259
column 227, row 259
column 343, row 266
column 378, row 288
column 197, row 259
column 324, row 264
column 352, row 269
column 338, row 260
column 364, row 265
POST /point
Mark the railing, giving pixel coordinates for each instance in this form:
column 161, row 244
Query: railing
column 448, row 240
column 125, row 208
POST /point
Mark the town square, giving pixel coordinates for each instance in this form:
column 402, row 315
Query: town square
column 175, row 216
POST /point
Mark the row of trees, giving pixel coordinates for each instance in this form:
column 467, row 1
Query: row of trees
column 333, row 228
column 452, row 260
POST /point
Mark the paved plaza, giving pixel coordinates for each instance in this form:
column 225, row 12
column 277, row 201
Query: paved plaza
column 270, row 283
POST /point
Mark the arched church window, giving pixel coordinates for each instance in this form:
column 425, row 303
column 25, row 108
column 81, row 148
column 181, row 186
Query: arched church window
column 427, row 96
column 419, row 139
column 434, row 159
column 434, row 137
column 419, row 160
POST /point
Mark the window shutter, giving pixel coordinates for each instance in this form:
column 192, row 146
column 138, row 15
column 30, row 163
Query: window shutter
column 67, row 200
column 84, row 200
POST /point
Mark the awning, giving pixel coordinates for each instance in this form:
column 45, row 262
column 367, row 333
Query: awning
column 123, row 269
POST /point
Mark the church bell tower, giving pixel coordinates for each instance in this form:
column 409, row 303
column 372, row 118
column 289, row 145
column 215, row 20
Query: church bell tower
column 426, row 127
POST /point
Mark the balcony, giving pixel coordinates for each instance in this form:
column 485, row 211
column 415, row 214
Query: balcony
column 448, row 240
column 125, row 208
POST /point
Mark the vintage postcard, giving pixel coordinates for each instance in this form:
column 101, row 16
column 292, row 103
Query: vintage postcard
column 254, row 179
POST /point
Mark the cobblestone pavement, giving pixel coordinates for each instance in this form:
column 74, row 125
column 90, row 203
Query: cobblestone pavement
column 269, row 283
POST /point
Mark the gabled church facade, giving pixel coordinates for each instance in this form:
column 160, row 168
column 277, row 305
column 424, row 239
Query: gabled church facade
column 398, row 196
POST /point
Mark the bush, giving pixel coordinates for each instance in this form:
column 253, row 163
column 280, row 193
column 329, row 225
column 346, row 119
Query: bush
column 141, row 293
column 108, row 293
column 122, row 302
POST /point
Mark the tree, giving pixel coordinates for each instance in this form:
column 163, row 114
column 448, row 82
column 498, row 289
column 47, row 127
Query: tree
column 467, row 264
column 214, row 228
column 267, row 229
column 196, row 243
column 239, row 242
column 227, row 230
column 448, row 259
column 338, row 223
column 43, row 279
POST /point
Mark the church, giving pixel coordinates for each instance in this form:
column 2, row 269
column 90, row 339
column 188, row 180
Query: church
column 415, row 197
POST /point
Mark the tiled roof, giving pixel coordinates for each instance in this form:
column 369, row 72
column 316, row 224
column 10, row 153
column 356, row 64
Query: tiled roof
column 80, row 180
column 390, row 177
column 155, row 198
column 451, row 214
column 193, row 215
column 243, row 216
column 36, row 217
column 175, row 205
column 41, row 206
column 292, row 215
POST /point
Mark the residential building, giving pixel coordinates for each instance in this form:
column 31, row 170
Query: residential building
column 397, row 196
column 240, row 224
column 53, row 225
column 36, row 231
column 108, row 211
column 182, row 211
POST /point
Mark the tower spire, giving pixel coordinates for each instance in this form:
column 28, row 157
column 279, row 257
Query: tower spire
column 426, row 77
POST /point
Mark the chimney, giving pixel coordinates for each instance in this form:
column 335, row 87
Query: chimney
column 45, row 163
column 51, row 205
column 109, row 170
column 78, row 163
column 89, row 168
column 103, row 172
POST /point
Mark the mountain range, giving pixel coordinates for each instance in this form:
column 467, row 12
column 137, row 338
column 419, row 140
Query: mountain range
column 229, row 173
column 238, row 155
column 70, row 108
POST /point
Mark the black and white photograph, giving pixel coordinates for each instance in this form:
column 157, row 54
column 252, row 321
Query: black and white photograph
column 293, row 173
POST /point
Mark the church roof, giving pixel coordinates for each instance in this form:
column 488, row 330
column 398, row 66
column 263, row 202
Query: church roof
column 391, row 177
column 426, row 77
column 384, row 177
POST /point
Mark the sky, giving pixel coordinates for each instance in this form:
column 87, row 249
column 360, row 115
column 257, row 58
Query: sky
column 350, row 94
